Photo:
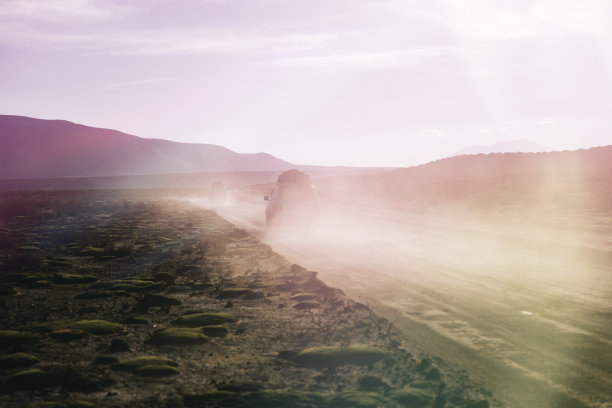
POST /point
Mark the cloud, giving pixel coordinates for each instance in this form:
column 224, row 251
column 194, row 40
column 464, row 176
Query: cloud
column 429, row 134
column 547, row 121
column 368, row 60
column 166, row 42
column 141, row 82
column 190, row 42
column 61, row 10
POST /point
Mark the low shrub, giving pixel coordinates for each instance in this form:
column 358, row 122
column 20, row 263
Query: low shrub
column 179, row 337
column 360, row 399
column 99, row 327
column 148, row 366
column 203, row 319
column 334, row 356
column 11, row 338
column 62, row 404
column 72, row 279
column 31, row 379
column 231, row 293
column 215, row 331
column 413, row 397
column 156, row 370
column 137, row 363
column 300, row 297
column 311, row 304
column 17, row 360
column 67, row 335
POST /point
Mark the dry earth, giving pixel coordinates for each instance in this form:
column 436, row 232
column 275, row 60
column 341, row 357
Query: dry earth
column 520, row 300
column 92, row 282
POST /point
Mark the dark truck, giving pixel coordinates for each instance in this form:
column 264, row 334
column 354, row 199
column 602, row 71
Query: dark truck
column 293, row 202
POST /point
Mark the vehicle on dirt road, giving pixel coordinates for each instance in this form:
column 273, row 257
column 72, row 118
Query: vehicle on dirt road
column 294, row 202
column 217, row 195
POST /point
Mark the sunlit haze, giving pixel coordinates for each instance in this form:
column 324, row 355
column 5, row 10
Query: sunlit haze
column 342, row 82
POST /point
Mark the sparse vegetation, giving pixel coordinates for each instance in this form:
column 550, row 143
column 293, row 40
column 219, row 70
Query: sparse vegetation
column 307, row 305
column 156, row 370
column 360, row 399
column 62, row 404
column 28, row 380
column 300, row 297
column 215, row 331
column 99, row 327
column 413, row 397
column 17, row 360
column 203, row 319
column 67, row 335
column 334, row 356
column 138, row 363
column 179, row 337
column 129, row 277
column 12, row 338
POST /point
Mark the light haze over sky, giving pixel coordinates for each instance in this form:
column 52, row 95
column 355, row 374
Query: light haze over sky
column 343, row 82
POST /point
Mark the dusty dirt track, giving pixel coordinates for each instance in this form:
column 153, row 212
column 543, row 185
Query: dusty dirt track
column 526, row 310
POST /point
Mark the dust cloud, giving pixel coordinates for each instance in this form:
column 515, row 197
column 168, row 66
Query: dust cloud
column 521, row 302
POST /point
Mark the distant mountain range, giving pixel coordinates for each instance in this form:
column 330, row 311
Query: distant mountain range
column 576, row 179
column 35, row 148
column 506, row 146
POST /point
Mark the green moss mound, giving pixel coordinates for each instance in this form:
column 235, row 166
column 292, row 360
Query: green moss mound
column 11, row 338
column 311, row 304
column 7, row 290
column 282, row 399
column 301, row 297
column 156, row 370
column 372, row 383
column 179, row 337
column 485, row 404
column 71, row 279
column 334, row 356
column 67, row 335
column 135, row 285
column 17, row 360
column 38, row 284
column 99, row 327
column 231, row 293
column 228, row 398
column 215, row 331
column 28, row 380
column 154, row 300
column 413, row 397
column 360, row 399
column 105, row 360
column 260, row 399
column 62, row 404
column 32, row 278
column 134, row 364
column 135, row 320
column 203, row 319
column 92, row 251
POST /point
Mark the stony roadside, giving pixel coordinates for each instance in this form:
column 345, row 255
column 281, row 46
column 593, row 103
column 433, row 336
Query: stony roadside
column 156, row 303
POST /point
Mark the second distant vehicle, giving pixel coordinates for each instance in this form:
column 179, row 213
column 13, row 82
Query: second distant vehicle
column 217, row 195
column 293, row 202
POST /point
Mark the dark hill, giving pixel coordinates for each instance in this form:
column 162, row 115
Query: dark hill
column 569, row 179
column 487, row 166
column 35, row 148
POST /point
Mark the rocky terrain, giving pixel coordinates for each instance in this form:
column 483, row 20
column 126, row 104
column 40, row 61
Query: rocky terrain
column 117, row 299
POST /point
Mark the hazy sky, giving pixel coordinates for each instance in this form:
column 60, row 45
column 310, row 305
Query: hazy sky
column 389, row 82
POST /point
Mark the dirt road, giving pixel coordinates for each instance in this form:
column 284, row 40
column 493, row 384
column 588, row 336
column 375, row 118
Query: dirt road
column 527, row 311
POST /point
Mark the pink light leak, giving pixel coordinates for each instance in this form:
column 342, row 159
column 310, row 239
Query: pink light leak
column 357, row 83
